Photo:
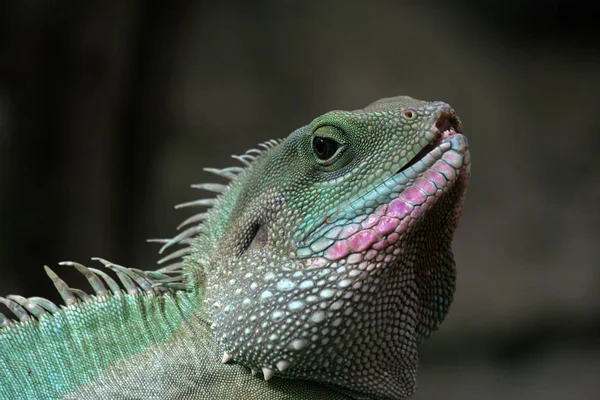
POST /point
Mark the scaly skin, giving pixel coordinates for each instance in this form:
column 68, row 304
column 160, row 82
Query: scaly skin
column 325, row 261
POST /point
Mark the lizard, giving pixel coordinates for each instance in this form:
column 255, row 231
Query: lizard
column 320, row 266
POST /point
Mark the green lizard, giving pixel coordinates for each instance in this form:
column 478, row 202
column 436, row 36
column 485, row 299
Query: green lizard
column 325, row 261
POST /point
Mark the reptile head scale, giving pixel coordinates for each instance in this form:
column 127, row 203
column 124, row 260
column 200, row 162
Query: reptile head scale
column 324, row 261
column 336, row 261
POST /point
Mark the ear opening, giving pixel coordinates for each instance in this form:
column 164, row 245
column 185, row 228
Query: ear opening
column 260, row 237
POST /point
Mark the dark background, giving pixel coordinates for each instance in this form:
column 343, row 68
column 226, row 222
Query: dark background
column 110, row 109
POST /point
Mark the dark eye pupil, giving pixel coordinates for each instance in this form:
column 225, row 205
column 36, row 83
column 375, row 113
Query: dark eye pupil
column 324, row 148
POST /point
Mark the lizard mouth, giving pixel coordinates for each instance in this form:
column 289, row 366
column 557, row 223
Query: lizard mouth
column 378, row 219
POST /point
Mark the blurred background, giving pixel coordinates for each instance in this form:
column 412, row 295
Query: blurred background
column 110, row 109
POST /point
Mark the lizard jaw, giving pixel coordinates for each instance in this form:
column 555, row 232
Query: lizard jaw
column 360, row 231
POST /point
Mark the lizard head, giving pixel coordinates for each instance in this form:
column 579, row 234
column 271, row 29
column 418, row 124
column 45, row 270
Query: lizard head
column 329, row 257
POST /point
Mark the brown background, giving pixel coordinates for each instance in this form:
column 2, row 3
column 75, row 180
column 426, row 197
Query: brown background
column 110, row 109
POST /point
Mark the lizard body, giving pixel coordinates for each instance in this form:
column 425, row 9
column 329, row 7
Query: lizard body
column 325, row 261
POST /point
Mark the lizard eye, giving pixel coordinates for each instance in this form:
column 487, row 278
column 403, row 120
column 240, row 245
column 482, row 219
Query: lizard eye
column 409, row 114
column 325, row 148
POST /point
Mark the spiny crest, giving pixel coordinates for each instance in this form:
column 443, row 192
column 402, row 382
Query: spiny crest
column 194, row 223
column 132, row 281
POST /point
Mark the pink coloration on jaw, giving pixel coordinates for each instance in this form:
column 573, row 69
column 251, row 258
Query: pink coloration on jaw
column 386, row 225
column 398, row 209
column 363, row 240
column 439, row 179
column 371, row 254
column 371, row 237
column 381, row 210
column 349, row 231
column 416, row 212
column 389, row 221
column 402, row 227
column 445, row 169
column 393, row 238
column 370, row 222
column 339, row 250
column 413, row 195
column 453, row 159
column 426, row 186
column 381, row 244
